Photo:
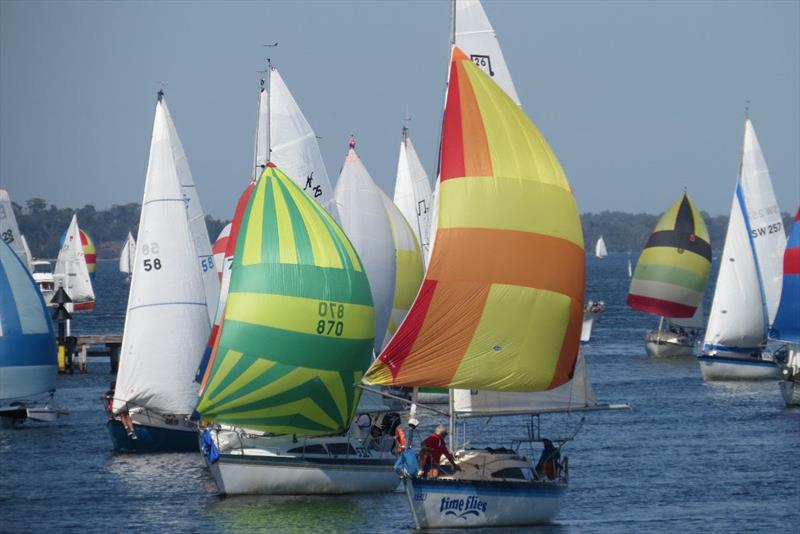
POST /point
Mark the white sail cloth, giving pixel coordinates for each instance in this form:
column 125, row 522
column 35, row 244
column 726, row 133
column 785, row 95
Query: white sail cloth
column 9, row 231
column 576, row 394
column 364, row 220
column 738, row 319
column 763, row 218
column 475, row 36
column 412, row 194
column 128, row 255
column 71, row 271
column 600, row 249
column 293, row 143
column 196, row 217
column 167, row 325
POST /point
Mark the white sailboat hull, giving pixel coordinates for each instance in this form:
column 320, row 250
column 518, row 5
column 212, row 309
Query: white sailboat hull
column 667, row 345
column 264, row 466
column 733, row 368
column 461, row 503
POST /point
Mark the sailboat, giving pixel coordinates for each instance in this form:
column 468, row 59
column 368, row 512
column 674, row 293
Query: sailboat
column 196, row 216
column 166, row 325
column 786, row 327
column 750, row 274
column 72, row 270
column 630, row 268
column 490, row 314
column 297, row 334
column 412, row 193
column 9, row 231
column 365, row 221
column 218, row 249
column 600, row 250
column 28, row 365
column 671, row 277
column 127, row 257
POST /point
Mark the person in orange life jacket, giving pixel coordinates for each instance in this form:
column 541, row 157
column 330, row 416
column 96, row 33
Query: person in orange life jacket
column 431, row 452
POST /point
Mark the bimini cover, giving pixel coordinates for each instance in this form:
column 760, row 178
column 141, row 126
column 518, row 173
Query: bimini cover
column 27, row 344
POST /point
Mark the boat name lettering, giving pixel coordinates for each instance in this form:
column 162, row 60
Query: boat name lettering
column 764, row 230
column 420, row 496
column 471, row 506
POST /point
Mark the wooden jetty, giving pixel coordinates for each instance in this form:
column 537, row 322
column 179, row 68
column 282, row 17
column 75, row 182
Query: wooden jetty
column 81, row 347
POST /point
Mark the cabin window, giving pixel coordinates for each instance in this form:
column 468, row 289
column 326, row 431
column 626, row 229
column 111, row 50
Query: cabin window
column 511, row 472
column 309, row 449
column 341, row 449
column 42, row 268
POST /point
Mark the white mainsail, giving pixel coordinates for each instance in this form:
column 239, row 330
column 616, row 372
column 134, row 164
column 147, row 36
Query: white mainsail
column 128, row 255
column 364, row 220
column 600, row 249
column 197, row 219
column 475, row 36
column 630, row 269
column 71, row 271
column 293, row 143
column 738, row 319
column 763, row 219
column 577, row 394
column 9, row 231
column 412, row 193
column 167, row 325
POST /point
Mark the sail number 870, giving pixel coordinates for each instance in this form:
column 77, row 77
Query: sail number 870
column 331, row 322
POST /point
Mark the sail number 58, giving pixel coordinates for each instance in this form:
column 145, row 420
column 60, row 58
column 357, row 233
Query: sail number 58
column 151, row 263
column 331, row 322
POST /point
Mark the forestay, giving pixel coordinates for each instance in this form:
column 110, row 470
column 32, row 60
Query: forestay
column 166, row 325
column 476, row 37
column 786, row 326
column 672, row 272
column 196, row 217
column 412, row 193
column 298, row 325
column 364, row 219
column 491, row 314
column 27, row 343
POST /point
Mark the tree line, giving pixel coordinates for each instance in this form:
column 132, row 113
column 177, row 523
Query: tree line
column 43, row 226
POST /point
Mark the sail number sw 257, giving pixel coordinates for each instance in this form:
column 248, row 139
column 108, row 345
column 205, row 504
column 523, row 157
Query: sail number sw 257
column 332, row 319
column 765, row 230
column 151, row 263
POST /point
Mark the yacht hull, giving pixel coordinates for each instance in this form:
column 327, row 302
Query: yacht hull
column 737, row 368
column 152, row 438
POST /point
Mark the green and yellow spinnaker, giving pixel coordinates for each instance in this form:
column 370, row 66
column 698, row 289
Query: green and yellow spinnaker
column 298, row 328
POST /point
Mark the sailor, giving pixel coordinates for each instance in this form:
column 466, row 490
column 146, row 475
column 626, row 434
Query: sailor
column 549, row 465
column 431, row 451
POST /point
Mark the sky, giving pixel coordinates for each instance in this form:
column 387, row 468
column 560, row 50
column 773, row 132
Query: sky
column 637, row 99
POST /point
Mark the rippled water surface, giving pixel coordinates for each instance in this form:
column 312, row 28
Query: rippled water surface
column 689, row 456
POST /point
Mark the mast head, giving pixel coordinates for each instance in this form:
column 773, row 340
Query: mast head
column 352, row 142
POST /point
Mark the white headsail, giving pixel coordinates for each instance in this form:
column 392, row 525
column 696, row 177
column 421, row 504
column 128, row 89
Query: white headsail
column 293, row 144
column 128, row 254
column 167, row 325
column 365, row 222
column 27, row 250
column 763, row 219
column 71, row 271
column 9, row 231
column 600, row 249
column 577, row 394
column 475, row 36
column 412, row 193
column 197, row 219
column 738, row 319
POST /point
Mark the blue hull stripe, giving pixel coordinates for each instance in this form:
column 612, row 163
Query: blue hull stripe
column 508, row 489
column 725, row 348
column 736, row 361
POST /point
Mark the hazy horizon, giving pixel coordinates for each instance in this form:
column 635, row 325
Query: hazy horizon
column 637, row 100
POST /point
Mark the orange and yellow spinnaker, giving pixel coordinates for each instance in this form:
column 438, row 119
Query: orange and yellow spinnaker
column 501, row 305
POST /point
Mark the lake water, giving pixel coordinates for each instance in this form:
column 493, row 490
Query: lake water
column 688, row 456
